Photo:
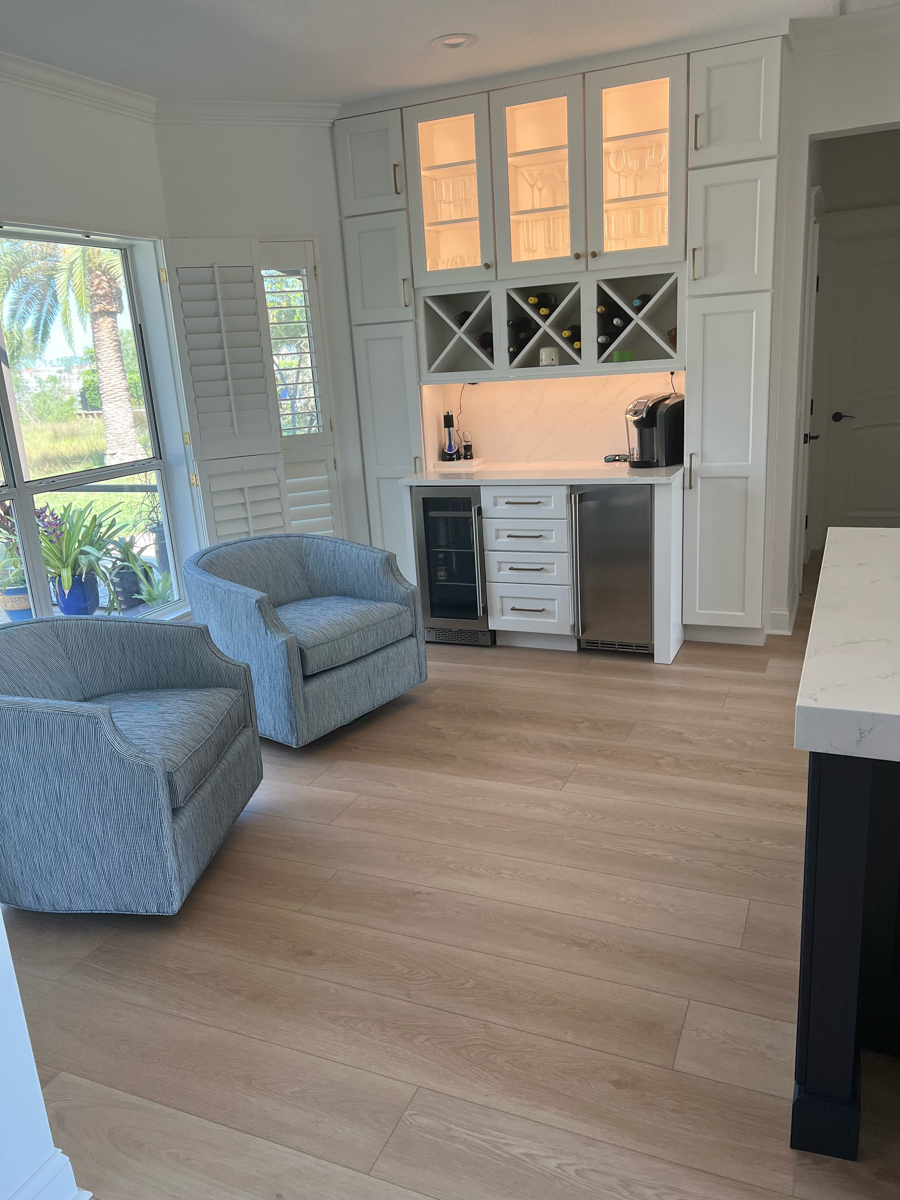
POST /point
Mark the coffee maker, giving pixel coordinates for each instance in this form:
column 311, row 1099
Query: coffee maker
column 658, row 423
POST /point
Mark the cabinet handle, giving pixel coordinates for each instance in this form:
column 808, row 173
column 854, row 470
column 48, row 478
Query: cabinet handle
column 524, row 568
column 512, row 608
column 696, row 131
column 397, row 190
column 525, row 535
column 521, row 502
column 690, row 472
column 487, row 266
column 577, row 254
column 593, row 254
column 416, row 461
column 403, row 288
column 694, row 250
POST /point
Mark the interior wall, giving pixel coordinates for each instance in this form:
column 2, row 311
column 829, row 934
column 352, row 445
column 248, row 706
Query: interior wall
column 541, row 420
column 860, row 171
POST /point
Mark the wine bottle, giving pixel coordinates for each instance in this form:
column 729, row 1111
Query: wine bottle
column 604, row 340
column 672, row 337
column 573, row 332
column 486, row 342
column 640, row 301
column 603, row 309
column 449, row 448
column 521, row 330
column 462, row 317
column 544, row 302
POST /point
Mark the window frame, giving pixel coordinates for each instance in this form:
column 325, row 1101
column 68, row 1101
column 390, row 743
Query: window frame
column 22, row 492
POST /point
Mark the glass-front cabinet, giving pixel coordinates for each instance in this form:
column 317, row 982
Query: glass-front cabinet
column 636, row 121
column 538, row 141
column 448, row 147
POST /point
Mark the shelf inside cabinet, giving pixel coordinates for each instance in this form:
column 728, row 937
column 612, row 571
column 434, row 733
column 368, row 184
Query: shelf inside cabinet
column 645, row 337
column 454, row 345
column 542, row 330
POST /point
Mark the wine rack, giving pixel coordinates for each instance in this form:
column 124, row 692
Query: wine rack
column 452, row 347
column 547, row 330
column 650, row 333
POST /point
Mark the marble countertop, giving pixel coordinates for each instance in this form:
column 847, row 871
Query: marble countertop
column 849, row 700
column 545, row 472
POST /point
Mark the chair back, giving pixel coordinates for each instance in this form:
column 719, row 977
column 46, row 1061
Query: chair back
column 33, row 662
column 273, row 565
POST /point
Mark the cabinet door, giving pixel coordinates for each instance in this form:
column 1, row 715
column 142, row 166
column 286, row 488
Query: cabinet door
column 379, row 275
column 735, row 94
column 731, row 228
column 391, row 425
column 450, row 200
column 726, row 411
column 537, row 135
column 636, row 138
column 368, row 154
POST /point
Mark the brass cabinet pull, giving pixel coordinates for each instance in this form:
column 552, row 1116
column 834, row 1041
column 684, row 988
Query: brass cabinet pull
column 694, row 250
column 690, row 472
column 397, row 189
column 696, row 130
column 487, row 266
column 403, row 289
column 577, row 254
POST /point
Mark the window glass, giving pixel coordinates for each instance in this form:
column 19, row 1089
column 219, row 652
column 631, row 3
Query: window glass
column 78, row 396
column 105, row 548
column 290, row 329
column 15, row 603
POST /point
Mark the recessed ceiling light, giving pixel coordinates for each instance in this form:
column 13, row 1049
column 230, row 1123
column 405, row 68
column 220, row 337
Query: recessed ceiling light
column 454, row 41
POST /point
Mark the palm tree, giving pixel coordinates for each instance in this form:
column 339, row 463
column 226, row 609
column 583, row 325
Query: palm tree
column 43, row 281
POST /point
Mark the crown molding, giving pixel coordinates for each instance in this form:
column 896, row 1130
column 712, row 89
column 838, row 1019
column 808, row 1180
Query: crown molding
column 244, row 112
column 823, row 37
column 54, row 81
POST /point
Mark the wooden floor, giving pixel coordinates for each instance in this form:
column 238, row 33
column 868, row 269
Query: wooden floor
column 527, row 933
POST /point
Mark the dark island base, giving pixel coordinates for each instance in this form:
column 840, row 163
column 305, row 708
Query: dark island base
column 850, row 945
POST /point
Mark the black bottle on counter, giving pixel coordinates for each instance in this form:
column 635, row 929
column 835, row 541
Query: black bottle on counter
column 449, row 448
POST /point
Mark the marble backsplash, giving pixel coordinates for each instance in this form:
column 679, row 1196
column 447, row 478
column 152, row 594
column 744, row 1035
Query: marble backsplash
column 541, row 420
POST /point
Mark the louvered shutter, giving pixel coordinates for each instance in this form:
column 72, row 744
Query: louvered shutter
column 244, row 497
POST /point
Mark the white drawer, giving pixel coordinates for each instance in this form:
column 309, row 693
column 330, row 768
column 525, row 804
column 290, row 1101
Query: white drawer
column 520, row 534
column 529, row 606
column 503, row 566
column 528, row 500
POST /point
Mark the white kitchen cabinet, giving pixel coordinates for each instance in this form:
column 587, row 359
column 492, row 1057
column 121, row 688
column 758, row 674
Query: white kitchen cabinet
column 522, row 534
column 368, row 154
column 505, row 566
column 391, row 427
column 537, row 135
column 726, row 410
column 636, row 143
column 451, row 198
column 379, row 272
column 735, row 94
column 731, row 228
column 526, row 500
column 529, row 608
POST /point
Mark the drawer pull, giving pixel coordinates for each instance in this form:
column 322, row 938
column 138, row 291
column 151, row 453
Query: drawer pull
column 512, row 608
column 524, row 568
column 521, row 502
column 524, row 535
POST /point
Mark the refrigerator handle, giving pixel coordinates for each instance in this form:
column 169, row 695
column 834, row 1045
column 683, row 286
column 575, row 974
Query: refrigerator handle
column 479, row 558
column 576, row 564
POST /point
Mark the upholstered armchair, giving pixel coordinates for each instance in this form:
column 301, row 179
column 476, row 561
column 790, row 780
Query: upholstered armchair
column 331, row 629
column 127, row 750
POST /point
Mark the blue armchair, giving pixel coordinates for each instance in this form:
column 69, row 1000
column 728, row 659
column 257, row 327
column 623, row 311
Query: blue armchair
column 331, row 629
column 127, row 750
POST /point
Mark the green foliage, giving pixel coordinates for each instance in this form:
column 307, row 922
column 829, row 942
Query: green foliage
column 47, row 400
column 12, row 569
column 77, row 542
column 90, row 381
column 155, row 591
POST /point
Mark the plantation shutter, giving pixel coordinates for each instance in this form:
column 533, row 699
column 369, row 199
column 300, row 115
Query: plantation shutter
column 232, row 394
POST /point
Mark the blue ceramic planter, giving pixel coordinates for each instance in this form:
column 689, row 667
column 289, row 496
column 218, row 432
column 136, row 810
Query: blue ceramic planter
column 81, row 600
column 15, row 603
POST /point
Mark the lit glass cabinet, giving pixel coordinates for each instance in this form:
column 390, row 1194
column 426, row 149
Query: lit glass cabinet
column 538, row 139
column 636, row 120
column 448, row 149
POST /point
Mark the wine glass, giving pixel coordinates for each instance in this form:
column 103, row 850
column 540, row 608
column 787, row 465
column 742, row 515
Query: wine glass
column 535, row 180
column 618, row 164
column 657, row 157
column 529, row 235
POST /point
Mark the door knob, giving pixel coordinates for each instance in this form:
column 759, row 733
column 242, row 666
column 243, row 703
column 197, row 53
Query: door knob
column 811, row 437
column 839, row 416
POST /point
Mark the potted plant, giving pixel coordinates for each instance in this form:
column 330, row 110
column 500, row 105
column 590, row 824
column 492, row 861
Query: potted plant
column 76, row 548
column 157, row 591
column 14, row 599
column 130, row 572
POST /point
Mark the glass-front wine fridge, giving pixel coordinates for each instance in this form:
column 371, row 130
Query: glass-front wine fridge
column 450, row 562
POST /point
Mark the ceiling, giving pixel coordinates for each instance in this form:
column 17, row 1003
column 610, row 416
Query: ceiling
column 340, row 50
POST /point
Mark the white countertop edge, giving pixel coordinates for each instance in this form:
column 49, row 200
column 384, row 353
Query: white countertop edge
column 840, row 731
column 560, row 474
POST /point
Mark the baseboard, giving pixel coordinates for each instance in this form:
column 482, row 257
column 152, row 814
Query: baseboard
column 537, row 641
column 781, row 620
column 53, row 1180
column 728, row 634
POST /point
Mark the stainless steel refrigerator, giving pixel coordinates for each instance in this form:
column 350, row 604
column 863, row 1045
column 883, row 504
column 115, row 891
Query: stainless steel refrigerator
column 612, row 528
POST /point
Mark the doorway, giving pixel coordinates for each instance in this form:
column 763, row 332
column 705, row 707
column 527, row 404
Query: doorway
column 854, row 425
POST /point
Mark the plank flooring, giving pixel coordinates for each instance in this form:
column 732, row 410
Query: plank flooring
column 530, row 932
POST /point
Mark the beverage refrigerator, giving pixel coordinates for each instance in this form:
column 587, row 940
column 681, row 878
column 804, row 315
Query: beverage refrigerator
column 450, row 564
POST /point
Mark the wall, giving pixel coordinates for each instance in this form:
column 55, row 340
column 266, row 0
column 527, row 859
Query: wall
column 541, row 420
column 844, row 79
column 861, row 171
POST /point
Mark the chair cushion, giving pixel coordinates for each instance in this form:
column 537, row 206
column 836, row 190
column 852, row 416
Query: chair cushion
column 273, row 565
column 188, row 728
column 332, row 630
column 33, row 663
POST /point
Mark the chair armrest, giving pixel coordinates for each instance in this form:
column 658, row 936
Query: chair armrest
column 77, row 798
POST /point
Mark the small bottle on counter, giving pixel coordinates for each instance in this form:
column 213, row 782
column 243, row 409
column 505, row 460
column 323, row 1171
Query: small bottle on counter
column 467, row 446
column 449, row 448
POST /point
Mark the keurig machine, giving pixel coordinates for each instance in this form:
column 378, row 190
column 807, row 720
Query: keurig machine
column 658, row 423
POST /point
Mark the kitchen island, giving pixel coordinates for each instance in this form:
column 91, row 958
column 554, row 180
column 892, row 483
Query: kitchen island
column 848, row 718
column 526, row 543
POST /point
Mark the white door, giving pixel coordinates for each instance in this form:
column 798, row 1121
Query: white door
column 368, row 154
column 636, row 139
column 726, row 416
column 537, row 135
column 379, row 272
column 857, row 387
column 735, row 94
column 391, row 425
column 451, row 197
column 731, row 228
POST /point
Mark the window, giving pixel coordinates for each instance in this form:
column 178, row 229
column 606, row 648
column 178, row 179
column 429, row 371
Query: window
column 293, row 352
column 82, row 501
